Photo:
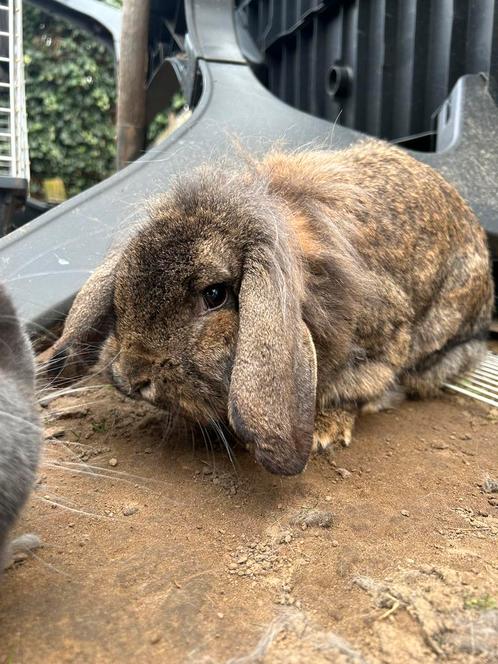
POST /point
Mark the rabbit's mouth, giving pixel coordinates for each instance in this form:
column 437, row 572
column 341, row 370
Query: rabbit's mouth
column 139, row 390
column 199, row 409
column 122, row 387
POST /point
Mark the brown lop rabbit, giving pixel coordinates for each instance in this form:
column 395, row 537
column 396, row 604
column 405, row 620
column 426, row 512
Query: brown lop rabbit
column 288, row 297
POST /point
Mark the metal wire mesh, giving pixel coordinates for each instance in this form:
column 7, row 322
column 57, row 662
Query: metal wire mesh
column 14, row 157
column 482, row 383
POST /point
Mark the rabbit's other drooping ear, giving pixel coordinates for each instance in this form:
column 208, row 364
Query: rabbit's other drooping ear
column 87, row 326
column 271, row 402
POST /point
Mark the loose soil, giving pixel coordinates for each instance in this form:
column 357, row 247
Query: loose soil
column 158, row 549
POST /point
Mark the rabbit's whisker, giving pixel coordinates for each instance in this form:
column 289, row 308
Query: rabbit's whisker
column 208, row 446
column 20, row 420
column 93, row 515
column 222, row 437
column 104, row 472
column 68, row 391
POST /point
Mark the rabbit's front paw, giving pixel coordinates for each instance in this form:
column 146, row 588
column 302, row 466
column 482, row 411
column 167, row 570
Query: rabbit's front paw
column 332, row 427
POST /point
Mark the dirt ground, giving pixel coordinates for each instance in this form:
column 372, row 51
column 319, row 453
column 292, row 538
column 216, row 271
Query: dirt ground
column 158, row 549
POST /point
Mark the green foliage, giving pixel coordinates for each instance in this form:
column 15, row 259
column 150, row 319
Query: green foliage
column 480, row 603
column 71, row 103
column 99, row 427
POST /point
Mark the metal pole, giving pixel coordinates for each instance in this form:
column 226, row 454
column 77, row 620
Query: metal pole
column 131, row 122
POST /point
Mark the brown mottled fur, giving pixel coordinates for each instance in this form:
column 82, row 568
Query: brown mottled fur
column 353, row 275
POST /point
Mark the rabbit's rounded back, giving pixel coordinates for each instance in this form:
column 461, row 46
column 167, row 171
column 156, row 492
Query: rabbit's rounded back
column 19, row 424
column 339, row 273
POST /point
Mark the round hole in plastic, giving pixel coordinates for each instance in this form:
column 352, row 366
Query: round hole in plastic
column 339, row 80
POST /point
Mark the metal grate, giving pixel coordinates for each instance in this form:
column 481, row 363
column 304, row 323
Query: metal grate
column 482, row 383
column 14, row 160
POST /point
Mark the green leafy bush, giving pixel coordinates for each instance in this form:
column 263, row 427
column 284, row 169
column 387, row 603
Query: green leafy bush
column 71, row 103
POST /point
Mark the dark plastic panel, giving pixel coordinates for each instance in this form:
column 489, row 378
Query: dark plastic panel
column 383, row 67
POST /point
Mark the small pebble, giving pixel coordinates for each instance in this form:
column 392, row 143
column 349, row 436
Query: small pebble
column 113, row 462
column 343, row 472
column 405, row 512
column 70, row 412
column 20, row 556
column 439, row 446
column 490, row 485
column 312, row 518
column 128, row 510
column 155, row 638
column 55, row 433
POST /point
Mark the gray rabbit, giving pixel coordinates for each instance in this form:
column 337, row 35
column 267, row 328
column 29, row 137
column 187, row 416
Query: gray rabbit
column 286, row 298
column 20, row 432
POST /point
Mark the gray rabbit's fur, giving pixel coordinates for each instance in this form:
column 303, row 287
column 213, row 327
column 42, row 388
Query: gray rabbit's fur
column 19, row 425
column 351, row 276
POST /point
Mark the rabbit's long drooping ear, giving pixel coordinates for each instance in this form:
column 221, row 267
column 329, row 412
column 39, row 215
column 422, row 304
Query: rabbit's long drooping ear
column 272, row 392
column 87, row 325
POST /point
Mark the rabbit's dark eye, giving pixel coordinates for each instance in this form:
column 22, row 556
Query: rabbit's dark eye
column 215, row 296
